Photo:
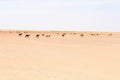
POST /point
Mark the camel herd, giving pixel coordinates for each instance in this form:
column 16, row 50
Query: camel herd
column 62, row 35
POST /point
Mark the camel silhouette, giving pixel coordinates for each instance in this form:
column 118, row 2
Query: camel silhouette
column 47, row 35
column 27, row 35
column 20, row 34
column 95, row 34
column 82, row 35
column 43, row 34
column 63, row 34
column 37, row 35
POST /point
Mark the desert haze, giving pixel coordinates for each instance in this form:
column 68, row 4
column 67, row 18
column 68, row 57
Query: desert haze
column 59, row 55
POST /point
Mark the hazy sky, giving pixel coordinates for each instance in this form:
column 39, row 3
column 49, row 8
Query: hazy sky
column 82, row 15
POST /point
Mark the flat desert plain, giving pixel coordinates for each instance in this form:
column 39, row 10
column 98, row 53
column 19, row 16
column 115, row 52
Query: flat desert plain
column 59, row 55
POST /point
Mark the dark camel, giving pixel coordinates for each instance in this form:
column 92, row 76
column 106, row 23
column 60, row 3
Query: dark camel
column 37, row 35
column 27, row 35
column 20, row 34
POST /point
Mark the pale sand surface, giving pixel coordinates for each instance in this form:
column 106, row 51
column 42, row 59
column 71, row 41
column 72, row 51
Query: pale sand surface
column 72, row 57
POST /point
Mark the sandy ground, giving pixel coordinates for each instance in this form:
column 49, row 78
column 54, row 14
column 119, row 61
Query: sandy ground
column 54, row 55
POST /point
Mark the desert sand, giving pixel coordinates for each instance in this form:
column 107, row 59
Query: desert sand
column 59, row 55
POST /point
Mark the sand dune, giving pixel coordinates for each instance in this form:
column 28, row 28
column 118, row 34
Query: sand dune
column 59, row 55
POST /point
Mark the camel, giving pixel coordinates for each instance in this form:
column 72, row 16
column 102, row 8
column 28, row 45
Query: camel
column 37, row 35
column 63, row 34
column 47, row 35
column 43, row 34
column 20, row 34
column 27, row 35
column 82, row 35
